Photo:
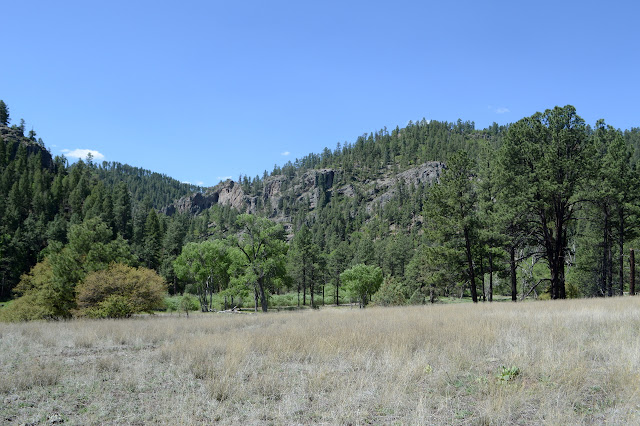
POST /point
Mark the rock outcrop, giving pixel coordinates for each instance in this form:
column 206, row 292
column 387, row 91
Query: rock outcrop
column 314, row 185
column 225, row 193
column 11, row 134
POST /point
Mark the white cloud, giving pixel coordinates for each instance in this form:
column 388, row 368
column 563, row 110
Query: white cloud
column 198, row 182
column 285, row 153
column 82, row 153
column 502, row 110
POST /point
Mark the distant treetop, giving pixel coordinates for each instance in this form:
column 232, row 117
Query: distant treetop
column 4, row 113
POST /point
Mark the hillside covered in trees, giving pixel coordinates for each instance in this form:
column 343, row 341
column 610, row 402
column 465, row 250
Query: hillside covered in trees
column 544, row 207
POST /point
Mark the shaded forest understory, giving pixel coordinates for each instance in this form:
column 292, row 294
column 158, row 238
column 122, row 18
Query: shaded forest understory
column 545, row 207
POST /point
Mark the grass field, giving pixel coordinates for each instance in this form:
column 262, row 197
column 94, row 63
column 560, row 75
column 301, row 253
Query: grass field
column 560, row 362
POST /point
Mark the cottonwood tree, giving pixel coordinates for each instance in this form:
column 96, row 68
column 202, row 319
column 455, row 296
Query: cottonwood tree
column 263, row 260
column 207, row 264
column 362, row 281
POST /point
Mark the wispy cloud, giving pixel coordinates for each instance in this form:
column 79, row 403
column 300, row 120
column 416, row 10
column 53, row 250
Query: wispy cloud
column 82, row 153
column 197, row 183
column 502, row 110
column 285, row 153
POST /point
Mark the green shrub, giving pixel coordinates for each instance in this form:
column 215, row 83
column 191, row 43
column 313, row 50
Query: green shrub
column 116, row 306
column 119, row 291
column 288, row 299
column 391, row 293
column 188, row 303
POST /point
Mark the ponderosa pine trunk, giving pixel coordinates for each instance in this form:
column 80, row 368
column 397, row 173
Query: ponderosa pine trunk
column 472, row 276
column 621, row 250
column 512, row 267
column 632, row 273
column 490, row 276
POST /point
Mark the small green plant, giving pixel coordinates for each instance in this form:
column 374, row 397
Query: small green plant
column 507, row 374
column 188, row 303
column 115, row 306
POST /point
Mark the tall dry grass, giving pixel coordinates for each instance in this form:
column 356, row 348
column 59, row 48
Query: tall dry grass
column 567, row 362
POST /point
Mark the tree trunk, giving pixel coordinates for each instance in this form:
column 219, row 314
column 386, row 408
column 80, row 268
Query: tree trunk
column 255, row 300
column 609, row 270
column 621, row 250
column 632, row 273
column 472, row 276
column 304, row 294
column 263, row 295
column 304, row 283
column 490, row 276
column 512, row 266
column 484, row 292
column 604, row 285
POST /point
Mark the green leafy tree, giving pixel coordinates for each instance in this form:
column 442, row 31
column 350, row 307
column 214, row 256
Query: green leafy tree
column 263, row 255
column 48, row 290
column 207, row 265
column 362, row 281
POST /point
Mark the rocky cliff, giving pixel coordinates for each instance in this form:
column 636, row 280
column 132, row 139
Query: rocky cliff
column 13, row 134
column 310, row 187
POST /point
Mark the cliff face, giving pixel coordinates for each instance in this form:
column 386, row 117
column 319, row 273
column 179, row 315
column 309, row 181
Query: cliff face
column 10, row 134
column 312, row 187
column 225, row 193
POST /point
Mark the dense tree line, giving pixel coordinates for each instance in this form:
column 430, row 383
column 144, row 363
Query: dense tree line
column 545, row 206
column 42, row 197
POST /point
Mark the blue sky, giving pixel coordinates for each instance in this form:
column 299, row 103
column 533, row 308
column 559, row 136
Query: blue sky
column 203, row 90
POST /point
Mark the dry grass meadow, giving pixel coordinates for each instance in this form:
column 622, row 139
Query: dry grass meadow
column 576, row 362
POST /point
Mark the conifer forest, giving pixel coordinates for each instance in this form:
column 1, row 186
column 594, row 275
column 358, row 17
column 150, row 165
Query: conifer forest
column 546, row 207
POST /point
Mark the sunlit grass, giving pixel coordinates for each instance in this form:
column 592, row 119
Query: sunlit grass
column 577, row 362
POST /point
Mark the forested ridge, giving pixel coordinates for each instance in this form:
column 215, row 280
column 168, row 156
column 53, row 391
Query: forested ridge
column 544, row 207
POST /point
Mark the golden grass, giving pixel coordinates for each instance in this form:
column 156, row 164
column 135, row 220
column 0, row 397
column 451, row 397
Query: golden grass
column 578, row 363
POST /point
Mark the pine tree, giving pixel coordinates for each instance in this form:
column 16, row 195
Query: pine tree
column 4, row 113
column 547, row 158
column 453, row 210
